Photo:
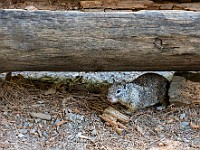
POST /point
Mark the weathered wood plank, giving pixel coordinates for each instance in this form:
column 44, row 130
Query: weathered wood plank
column 98, row 41
column 140, row 5
column 113, row 4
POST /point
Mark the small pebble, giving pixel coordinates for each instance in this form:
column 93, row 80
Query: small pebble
column 23, row 131
column 94, row 132
column 41, row 102
column 32, row 131
column 7, row 126
column 24, row 139
column 161, row 144
column 196, row 140
column 81, row 118
column 72, row 117
column 161, row 135
column 45, row 134
column 75, row 8
column 18, row 117
column 20, row 135
column 44, row 121
column 160, row 108
column 30, row 124
column 78, row 135
column 178, row 139
column 182, row 116
column 25, row 124
column 56, row 121
column 69, row 125
column 186, row 140
column 5, row 113
column 185, row 125
column 80, row 127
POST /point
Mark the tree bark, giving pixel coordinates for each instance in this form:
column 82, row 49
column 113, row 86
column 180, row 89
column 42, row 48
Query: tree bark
column 99, row 41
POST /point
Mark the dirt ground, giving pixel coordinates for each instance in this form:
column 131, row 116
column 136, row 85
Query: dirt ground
column 69, row 119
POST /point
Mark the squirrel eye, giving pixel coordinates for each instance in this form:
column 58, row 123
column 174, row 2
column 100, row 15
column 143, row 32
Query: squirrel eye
column 118, row 91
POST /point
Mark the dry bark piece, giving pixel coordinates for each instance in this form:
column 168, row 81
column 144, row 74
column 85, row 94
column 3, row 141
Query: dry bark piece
column 116, row 114
column 40, row 115
column 116, row 4
column 113, row 116
column 113, row 122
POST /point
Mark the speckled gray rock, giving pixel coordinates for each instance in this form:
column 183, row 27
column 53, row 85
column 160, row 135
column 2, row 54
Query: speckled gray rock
column 99, row 77
column 183, row 91
column 147, row 90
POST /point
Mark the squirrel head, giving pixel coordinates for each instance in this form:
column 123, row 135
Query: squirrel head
column 116, row 92
column 125, row 93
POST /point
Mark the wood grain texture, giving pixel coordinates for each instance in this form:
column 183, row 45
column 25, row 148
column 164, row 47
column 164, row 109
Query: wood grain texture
column 136, row 5
column 99, row 41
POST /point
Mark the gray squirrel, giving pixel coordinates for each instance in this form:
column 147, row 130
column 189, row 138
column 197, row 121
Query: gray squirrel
column 146, row 90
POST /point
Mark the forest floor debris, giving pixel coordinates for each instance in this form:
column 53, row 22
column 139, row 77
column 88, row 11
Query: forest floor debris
column 75, row 121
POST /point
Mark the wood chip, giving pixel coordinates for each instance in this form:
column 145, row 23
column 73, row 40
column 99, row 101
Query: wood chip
column 61, row 122
column 112, row 116
column 116, row 114
column 40, row 115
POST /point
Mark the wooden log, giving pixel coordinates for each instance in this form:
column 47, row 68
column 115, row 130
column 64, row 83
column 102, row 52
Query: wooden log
column 99, row 41
column 113, row 4
column 140, row 5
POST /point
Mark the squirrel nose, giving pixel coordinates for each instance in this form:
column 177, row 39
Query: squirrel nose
column 111, row 99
